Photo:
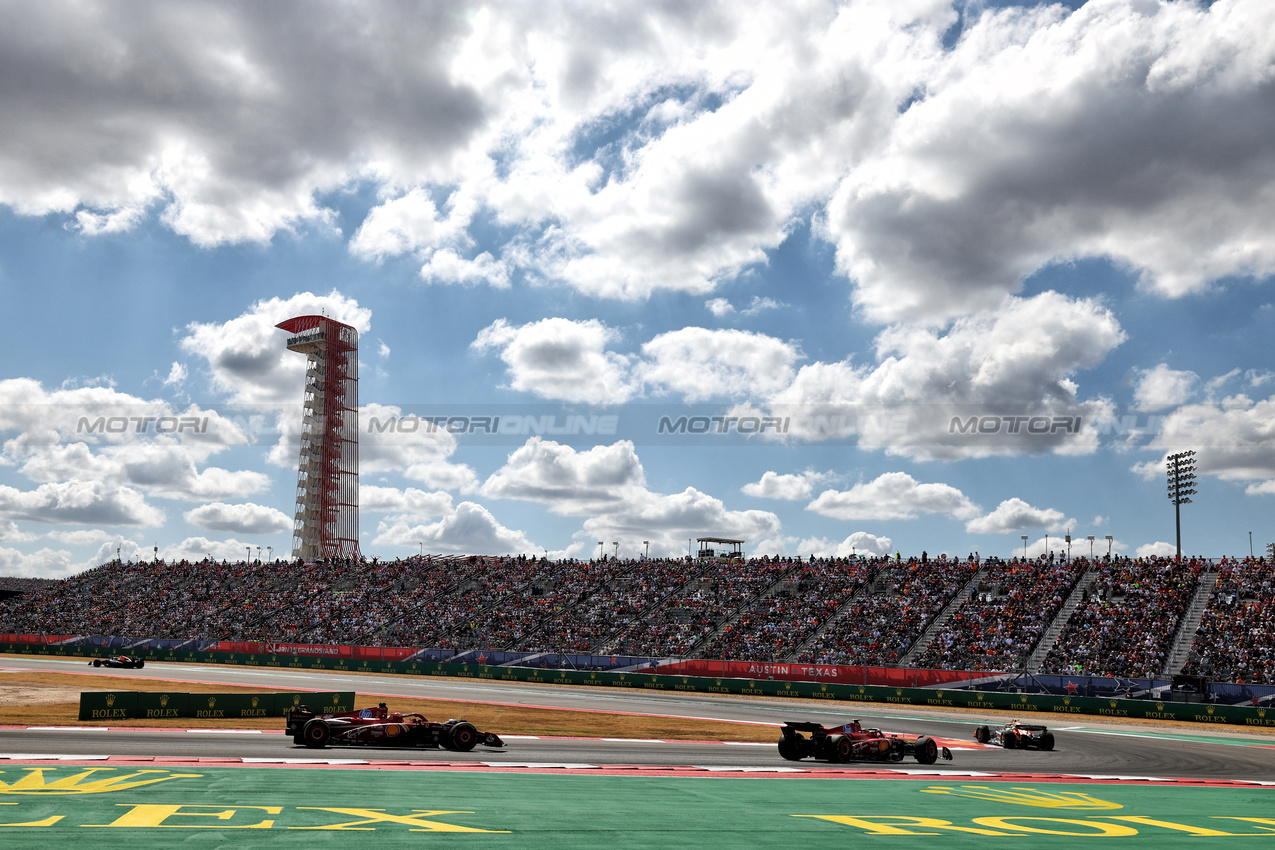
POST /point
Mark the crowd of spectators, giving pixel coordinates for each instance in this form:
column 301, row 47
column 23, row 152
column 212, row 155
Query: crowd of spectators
column 1127, row 621
column 897, row 604
column 718, row 592
column 1236, row 637
column 1004, row 617
column 794, row 609
column 828, row 611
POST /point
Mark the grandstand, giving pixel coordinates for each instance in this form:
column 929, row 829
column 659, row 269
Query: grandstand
column 1132, row 618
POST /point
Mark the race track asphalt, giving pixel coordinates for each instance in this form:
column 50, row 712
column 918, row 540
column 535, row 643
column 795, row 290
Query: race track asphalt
column 1085, row 747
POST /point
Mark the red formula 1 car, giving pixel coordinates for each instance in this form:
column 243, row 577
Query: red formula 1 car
column 1016, row 736
column 852, row 742
column 379, row 727
column 119, row 661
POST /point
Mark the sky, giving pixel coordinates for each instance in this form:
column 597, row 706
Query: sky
column 830, row 278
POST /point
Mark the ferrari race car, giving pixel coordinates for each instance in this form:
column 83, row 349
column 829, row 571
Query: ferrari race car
column 119, row 661
column 852, row 742
column 379, row 727
column 1016, row 736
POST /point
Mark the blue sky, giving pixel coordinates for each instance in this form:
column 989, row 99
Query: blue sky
column 874, row 222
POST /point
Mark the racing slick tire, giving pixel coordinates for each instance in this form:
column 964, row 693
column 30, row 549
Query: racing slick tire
column 844, row 748
column 97, row 662
column 982, row 734
column 139, row 664
column 789, row 750
column 1047, row 741
column 1009, row 740
column 464, row 737
column 927, row 752
column 316, row 734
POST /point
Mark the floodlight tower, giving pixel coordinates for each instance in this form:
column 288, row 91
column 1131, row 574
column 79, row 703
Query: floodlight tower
column 1181, row 474
column 326, row 522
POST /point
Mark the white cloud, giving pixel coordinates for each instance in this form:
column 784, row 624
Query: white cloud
column 177, row 375
column 246, row 518
column 560, row 359
column 1157, row 549
column 568, row 481
column 1163, row 387
column 11, row 533
column 1015, row 361
column 893, row 495
column 247, row 357
column 668, row 521
column 46, row 563
column 1014, row 515
column 80, row 503
column 1261, row 488
column 409, row 502
column 628, row 150
column 775, row 486
column 81, row 537
column 1234, row 439
column 469, row 529
column 446, row 266
column 1046, row 135
column 699, row 363
column 859, row 543
column 719, row 307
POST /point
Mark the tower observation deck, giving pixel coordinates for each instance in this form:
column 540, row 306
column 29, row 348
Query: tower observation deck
column 326, row 522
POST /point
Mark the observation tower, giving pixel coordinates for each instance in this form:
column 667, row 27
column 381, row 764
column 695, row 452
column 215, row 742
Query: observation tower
column 326, row 522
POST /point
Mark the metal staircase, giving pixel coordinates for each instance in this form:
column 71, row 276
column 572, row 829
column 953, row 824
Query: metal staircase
column 953, row 605
column 1185, row 637
column 1059, row 623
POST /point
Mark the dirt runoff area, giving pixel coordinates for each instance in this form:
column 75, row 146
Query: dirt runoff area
column 53, row 699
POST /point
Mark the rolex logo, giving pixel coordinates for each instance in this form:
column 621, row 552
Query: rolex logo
column 212, row 701
column 110, row 700
column 1159, row 706
column 940, row 693
column 823, row 687
column 255, row 700
column 47, row 781
column 163, row 699
column 1066, row 700
column 1209, row 709
column 898, row 692
column 1112, row 703
column 1261, row 712
column 862, row 689
column 1026, row 797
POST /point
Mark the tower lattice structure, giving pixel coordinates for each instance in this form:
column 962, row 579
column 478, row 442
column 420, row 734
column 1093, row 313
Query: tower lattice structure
column 326, row 521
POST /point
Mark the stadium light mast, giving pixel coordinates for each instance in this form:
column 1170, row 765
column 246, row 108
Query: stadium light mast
column 326, row 521
column 1181, row 475
column 1024, row 547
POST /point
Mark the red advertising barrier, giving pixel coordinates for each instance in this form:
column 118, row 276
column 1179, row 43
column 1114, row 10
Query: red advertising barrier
column 374, row 653
column 40, row 639
column 896, row 676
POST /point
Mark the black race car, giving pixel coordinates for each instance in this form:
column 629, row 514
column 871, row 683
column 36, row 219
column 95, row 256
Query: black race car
column 1016, row 736
column 852, row 742
column 119, row 661
column 379, row 727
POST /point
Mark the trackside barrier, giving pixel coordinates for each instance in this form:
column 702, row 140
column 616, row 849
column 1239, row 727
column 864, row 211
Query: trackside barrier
column 134, row 705
column 1026, row 704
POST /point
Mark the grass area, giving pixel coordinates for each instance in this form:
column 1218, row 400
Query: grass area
column 52, row 699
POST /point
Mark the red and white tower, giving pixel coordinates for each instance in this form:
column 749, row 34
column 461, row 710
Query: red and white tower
column 326, row 522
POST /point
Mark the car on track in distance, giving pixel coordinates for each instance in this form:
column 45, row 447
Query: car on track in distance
column 380, row 727
column 119, row 661
column 1016, row 736
column 854, row 742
